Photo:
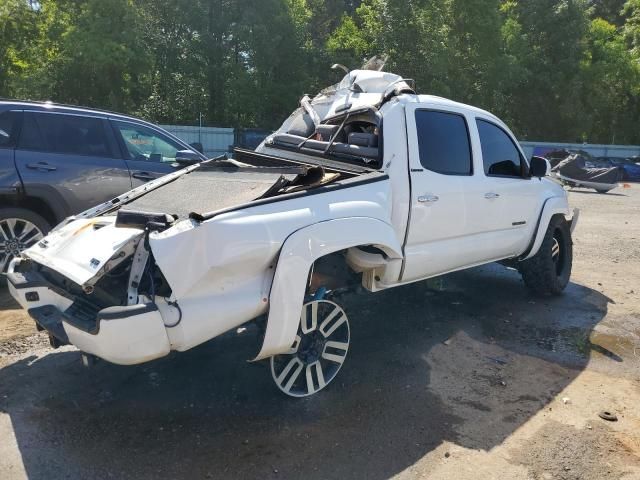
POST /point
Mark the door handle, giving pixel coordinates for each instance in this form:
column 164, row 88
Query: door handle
column 143, row 176
column 491, row 195
column 41, row 166
column 428, row 198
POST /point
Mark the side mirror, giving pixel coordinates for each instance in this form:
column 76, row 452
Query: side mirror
column 187, row 157
column 540, row 167
column 197, row 146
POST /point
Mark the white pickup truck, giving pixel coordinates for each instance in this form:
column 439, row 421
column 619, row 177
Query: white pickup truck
column 366, row 178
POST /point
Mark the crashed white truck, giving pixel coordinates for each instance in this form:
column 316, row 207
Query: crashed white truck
column 368, row 178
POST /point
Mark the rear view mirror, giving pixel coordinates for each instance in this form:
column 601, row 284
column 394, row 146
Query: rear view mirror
column 539, row 167
column 187, row 157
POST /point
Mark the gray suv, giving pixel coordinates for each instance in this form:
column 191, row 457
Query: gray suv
column 56, row 161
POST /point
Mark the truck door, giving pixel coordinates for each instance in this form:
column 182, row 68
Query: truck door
column 442, row 186
column 70, row 158
column 509, row 203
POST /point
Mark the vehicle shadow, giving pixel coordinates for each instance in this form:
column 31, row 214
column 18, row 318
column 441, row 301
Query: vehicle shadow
column 465, row 359
column 588, row 192
column 7, row 302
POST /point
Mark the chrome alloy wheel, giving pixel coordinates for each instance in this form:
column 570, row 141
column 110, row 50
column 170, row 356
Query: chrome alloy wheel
column 557, row 252
column 319, row 350
column 16, row 235
column 555, row 249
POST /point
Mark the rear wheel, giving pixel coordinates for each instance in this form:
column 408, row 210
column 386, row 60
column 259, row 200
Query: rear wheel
column 549, row 270
column 19, row 230
column 316, row 356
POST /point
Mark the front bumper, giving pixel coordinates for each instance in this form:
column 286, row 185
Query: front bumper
column 123, row 335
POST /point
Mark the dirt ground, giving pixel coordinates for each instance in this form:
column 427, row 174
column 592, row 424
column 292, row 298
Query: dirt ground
column 469, row 377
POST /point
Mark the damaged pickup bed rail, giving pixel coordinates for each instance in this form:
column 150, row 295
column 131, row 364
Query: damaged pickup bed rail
column 367, row 181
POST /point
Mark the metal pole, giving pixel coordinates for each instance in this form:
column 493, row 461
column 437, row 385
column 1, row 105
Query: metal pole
column 200, row 129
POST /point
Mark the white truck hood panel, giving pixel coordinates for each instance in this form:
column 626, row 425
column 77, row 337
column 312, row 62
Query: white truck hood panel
column 80, row 249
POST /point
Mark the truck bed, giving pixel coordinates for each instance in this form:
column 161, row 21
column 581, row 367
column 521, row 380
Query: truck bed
column 220, row 185
column 204, row 191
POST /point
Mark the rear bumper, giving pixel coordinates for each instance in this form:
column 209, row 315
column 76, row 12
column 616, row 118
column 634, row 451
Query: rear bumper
column 123, row 335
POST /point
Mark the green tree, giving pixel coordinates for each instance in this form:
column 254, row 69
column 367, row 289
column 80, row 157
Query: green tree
column 632, row 25
column 477, row 59
column 18, row 23
column 609, row 10
column 611, row 95
column 97, row 51
column 553, row 69
column 176, row 75
column 544, row 41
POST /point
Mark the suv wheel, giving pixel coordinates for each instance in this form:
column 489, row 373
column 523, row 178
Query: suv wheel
column 548, row 271
column 19, row 230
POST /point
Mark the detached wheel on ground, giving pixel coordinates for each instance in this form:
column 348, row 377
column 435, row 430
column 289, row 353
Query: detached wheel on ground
column 19, row 230
column 316, row 356
column 549, row 270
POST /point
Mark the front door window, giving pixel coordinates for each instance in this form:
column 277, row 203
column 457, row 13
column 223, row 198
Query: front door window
column 145, row 144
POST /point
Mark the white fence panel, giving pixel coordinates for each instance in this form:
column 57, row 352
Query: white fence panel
column 622, row 151
column 215, row 141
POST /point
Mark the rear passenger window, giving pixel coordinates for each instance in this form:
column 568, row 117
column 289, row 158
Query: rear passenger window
column 443, row 140
column 499, row 154
column 59, row 133
column 30, row 138
column 8, row 127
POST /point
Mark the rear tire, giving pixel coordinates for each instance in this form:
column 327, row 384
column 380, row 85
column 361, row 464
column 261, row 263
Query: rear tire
column 602, row 191
column 316, row 356
column 19, row 229
column 549, row 270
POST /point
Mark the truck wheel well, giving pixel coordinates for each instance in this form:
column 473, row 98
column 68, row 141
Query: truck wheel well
column 31, row 203
column 332, row 271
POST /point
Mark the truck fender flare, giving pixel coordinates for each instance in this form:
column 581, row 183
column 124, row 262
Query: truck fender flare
column 299, row 251
column 552, row 206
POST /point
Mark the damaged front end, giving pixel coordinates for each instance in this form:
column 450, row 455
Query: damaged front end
column 105, row 303
column 95, row 282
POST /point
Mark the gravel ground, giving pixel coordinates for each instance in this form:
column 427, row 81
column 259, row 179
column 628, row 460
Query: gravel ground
column 467, row 377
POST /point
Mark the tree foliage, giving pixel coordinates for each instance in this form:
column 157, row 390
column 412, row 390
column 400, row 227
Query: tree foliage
column 558, row 70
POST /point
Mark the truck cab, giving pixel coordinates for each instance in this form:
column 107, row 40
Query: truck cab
column 463, row 190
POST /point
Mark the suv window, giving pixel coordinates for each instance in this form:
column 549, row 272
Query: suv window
column 443, row 140
column 8, row 124
column 499, row 154
column 143, row 143
column 30, row 137
column 60, row 133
